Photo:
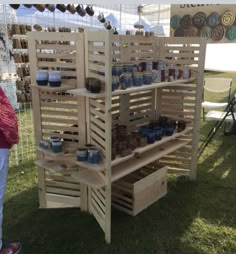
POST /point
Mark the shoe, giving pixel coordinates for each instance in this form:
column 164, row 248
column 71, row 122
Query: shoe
column 11, row 248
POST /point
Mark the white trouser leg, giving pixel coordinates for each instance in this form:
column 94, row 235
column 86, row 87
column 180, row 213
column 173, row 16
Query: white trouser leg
column 4, row 161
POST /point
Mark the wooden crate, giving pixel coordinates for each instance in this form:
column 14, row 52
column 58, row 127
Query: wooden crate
column 138, row 190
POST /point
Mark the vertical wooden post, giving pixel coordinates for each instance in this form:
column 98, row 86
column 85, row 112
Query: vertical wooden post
column 108, row 115
column 198, row 102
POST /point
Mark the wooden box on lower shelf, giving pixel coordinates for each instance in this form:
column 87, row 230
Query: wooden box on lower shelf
column 136, row 191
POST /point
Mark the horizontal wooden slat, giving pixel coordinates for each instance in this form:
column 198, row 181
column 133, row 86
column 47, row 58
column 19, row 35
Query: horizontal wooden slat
column 63, row 191
column 56, row 65
column 59, row 113
column 63, row 185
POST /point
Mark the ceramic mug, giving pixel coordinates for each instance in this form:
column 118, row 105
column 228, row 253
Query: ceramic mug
column 93, row 155
column 51, row 7
column 28, row 5
column 89, row 10
column 61, row 7
column 101, row 18
column 71, row 8
column 107, row 25
column 40, row 7
column 80, row 9
column 82, row 154
column 54, row 78
column 57, row 146
column 114, row 31
column 42, row 77
column 15, row 6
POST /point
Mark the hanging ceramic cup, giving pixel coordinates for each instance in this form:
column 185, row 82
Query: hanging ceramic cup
column 107, row 25
column 89, row 10
column 114, row 31
column 15, row 6
column 61, row 7
column 101, row 18
column 80, row 9
column 40, row 7
column 42, row 77
column 71, row 8
column 51, row 7
column 28, row 5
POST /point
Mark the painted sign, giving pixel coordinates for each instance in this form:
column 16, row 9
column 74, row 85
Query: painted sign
column 215, row 21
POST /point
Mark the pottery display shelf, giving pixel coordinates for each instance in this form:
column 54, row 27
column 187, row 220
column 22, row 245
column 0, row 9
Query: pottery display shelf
column 54, row 166
column 122, row 166
column 86, row 93
column 49, row 152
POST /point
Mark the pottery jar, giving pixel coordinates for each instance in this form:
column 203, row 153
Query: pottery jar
column 89, row 10
column 93, row 155
column 57, row 146
column 147, row 78
column 137, row 78
column 80, row 9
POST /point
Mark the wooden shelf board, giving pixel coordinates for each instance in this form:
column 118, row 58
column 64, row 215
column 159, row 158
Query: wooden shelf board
column 63, row 87
column 135, row 163
column 151, row 146
column 49, row 152
column 89, row 177
column 90, row 166
column 53, row 165
column 163, row 140
column 86, row 93
column 151, row 86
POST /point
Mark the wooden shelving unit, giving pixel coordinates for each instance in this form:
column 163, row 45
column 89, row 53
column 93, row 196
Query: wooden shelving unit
column 82, row 117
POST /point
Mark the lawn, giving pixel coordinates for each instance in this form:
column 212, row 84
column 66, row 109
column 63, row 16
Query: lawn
column 194, row 218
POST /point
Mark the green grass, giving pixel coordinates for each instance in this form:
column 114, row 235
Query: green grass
column 194, row 218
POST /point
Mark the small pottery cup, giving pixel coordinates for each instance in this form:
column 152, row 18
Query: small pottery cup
column 137, row 78
column 42, row 77
column 80, row 9
column 93, row 155
column 61, row 7
column 114, row 30
column 71, row 8
column 126, row 79
column 54, row 78
column 101, row 18
column 147, row 78
column 57, row 146
column 51, row 7
column 89, row 10
column 44, row 144
column 15, row 6
column 40, row 7
column 107, row 25
column 151, row 137
column 82, row 154
column 28, row 5
column 93, row 85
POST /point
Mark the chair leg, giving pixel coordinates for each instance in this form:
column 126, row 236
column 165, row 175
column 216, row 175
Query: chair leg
column 203, row 114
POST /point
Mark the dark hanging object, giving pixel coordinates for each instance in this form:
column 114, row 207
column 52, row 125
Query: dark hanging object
column 15, row 6
column 51, row 7
column 114, row 30
column 61, row 7
column 28, row 5
column 71, row 8
column 80, row 9
column 40, row 7
column 89, row 10
column 101, row 18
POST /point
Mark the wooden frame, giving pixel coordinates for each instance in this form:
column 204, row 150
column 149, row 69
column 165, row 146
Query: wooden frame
column 98, row 113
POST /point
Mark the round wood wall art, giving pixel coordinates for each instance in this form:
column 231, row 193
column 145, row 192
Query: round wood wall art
column 186, row 21
column 205, row 32
column 217, row 33
column 192, row 31
column 213, row 19
column 175, row 21
column 231, row 33
column 199, row 19
column 228, row 18
column 179, row 32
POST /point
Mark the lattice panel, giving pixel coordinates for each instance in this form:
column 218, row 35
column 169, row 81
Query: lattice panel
column 141, row 107
column 62, row 190
column 60, row 117
column 181, row 51
column 98, row 205
column 134, row 48
column 97, row 123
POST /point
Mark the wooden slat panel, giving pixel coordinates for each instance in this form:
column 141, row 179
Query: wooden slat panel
column 58, row 97
column 59, row 120
column 98, row 113
column 62, row 191
column 59, row 113
column 56, row 65
column 55, row 47
column 57, row 55
column 65, row 185
column 98, row 122
column 59, row 105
